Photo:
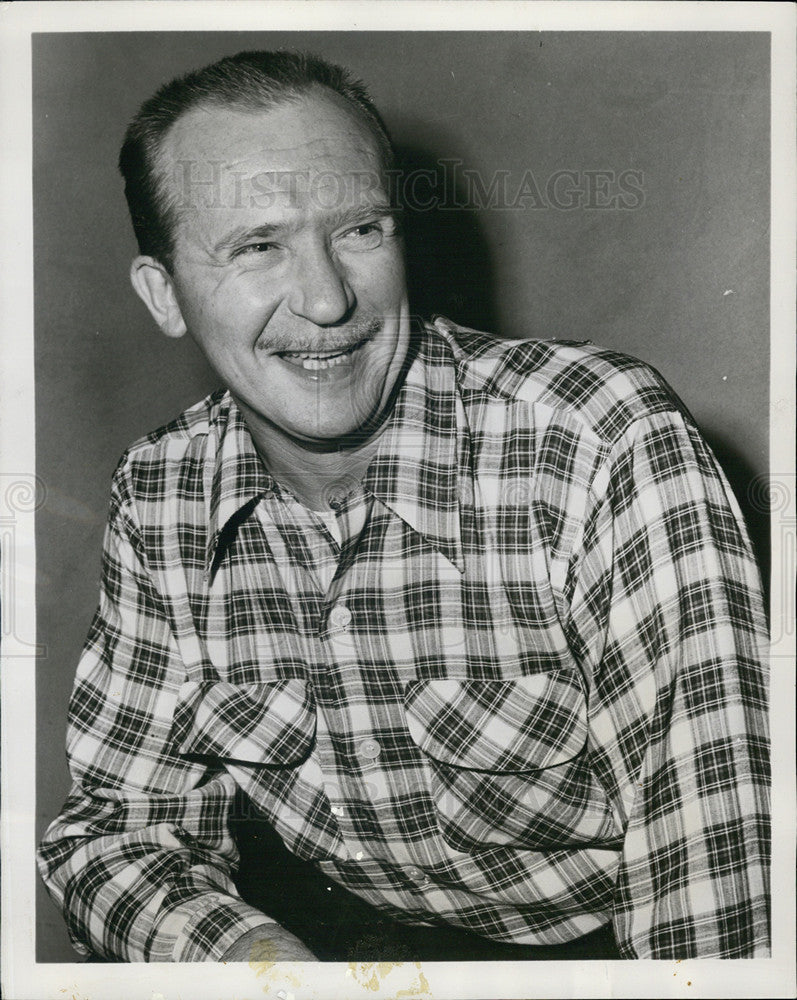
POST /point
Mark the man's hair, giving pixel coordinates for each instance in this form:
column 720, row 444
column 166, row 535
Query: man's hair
column 249, row 80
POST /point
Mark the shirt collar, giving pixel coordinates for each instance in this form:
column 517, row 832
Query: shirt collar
column 234, row 472
column 424, row 454
column 424, row 451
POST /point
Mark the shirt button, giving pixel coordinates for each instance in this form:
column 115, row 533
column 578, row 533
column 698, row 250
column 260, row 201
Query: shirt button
column 338, row 810
column 369, row 749
column 340, row 616
column 418, row 876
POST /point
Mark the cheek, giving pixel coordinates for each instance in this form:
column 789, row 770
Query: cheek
column 233, row 313
column 380, row 281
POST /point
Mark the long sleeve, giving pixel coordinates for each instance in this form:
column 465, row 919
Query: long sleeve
column 140, row 857
column 667, row 616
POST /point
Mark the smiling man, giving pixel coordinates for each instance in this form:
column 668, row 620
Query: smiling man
column 288, row 274
column 468, row 632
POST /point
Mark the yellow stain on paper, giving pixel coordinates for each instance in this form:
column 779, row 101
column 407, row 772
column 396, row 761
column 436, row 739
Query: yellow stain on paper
column 419, row 987
column 371, row 976
column 262, row 959
column 262, row 956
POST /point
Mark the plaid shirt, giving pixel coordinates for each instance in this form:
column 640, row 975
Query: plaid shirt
column 525, row 696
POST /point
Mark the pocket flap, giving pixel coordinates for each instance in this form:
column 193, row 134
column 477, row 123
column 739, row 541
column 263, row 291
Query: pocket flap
column 259, row 723
column 516, row 725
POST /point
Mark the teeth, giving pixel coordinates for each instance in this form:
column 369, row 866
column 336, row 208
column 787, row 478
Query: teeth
column 316, row 362
column 300, row 354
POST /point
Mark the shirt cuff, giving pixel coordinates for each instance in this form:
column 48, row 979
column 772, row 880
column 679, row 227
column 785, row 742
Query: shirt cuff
column 204, row 928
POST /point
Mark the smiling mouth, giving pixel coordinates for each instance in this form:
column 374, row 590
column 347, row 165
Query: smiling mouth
column 319, row 360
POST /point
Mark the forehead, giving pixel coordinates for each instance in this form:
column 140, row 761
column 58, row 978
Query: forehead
column 216, row 150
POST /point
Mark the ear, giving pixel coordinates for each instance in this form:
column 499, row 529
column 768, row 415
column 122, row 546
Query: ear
column 154, row 286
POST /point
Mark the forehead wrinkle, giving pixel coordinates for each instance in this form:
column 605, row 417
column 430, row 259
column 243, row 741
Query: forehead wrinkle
column 202, row 123
column 313, row 155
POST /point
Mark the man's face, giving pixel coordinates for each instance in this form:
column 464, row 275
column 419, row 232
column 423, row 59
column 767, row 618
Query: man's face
column 288, row 268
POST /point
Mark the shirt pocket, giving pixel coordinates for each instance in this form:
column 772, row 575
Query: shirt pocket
column 264, row 723
column 273, row 727
column 507, row 761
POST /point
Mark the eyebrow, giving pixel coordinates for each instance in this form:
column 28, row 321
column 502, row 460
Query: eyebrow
column 336, row 217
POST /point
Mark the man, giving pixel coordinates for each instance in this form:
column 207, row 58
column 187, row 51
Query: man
column 471, row 627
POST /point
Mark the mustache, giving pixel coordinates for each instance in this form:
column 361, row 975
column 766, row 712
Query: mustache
column 329, row 339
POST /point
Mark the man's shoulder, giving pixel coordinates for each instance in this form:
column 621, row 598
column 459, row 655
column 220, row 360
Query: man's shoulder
column 156, row 455
column 602, row 389
column 194, row 422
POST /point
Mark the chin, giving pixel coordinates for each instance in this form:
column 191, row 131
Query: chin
column 335, row 426
column 333, row 436
column 317, row 434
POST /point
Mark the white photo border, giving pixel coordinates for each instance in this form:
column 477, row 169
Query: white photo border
column 23, row 977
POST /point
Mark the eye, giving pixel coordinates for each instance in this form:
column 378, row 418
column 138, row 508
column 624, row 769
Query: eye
column 256, row 248
column 367, row 236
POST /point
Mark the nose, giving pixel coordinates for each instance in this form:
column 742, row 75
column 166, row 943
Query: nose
column 320, row 291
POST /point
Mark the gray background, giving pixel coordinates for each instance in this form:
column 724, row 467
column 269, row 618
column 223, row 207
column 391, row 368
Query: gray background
column 691, row 111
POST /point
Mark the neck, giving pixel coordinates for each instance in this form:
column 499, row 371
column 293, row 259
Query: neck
column 314, row 476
